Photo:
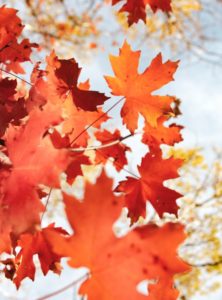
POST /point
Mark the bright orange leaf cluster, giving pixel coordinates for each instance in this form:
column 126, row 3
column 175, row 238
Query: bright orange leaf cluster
column 44, row 133
column 117, row 265
column 13, row 52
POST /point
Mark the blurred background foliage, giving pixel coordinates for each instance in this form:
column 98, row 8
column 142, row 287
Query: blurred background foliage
column 81, row 26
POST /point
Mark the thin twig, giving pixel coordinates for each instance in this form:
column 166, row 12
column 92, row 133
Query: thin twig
column 205, row 201
column 206, row 264
column 85, row 276
column 105, row 145
column 198, row 243
column 12, row 74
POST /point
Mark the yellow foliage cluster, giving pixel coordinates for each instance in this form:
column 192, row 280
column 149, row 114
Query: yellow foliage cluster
column 201, row 182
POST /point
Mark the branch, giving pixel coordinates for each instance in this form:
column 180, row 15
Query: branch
column 105, row 145
column 196, row 244
column 12, row 74
column 199, row 204
column 206, row 264
column 85, row 276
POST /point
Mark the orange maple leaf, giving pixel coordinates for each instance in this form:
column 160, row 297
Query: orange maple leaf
column 117, row 265
column 162, row 134
column 34, row 161
column 137, row 88
column 12, row 52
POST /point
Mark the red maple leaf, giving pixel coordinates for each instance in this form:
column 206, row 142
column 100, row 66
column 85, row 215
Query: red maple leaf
column 32, row 244
column 77, row 158
column 116, row 151
column 136, row 9
column 12, row 52
column 164, row 5
column 12, row 110
column 154, row 170
column 63, row 77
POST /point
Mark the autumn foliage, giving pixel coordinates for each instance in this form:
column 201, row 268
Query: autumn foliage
column 44, row 133
column 136, row 9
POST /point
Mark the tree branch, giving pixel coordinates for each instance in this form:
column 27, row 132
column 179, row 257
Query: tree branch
column 76, row 281
column 105, row 145
column 14, row 75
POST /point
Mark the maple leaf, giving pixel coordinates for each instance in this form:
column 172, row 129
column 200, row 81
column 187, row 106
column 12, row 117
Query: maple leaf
column 32, row 244
column 34, row 162
column 136, row 9
column 11, row 22
column 77, row 120
column 137, row 88
column 63, row 78
column 9, row 267
column 35, row 152
column 5, row 241
column 12, row 53
column 116, row 151
column 117, row 265
column 164, row 5
column 155, row 136
column 7, row 89
column 59, row 89
column 77, row 159
column 154, row 170
column 38, row 93
column 74, row 169
column 12, row 110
